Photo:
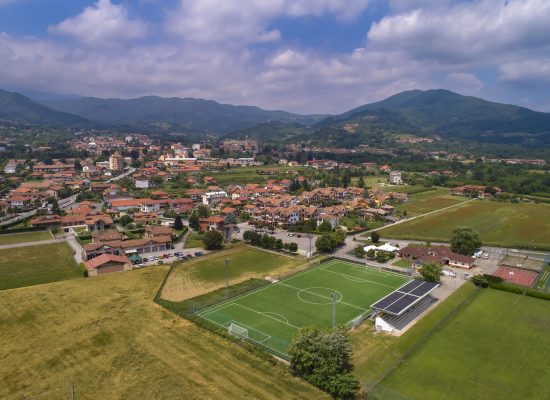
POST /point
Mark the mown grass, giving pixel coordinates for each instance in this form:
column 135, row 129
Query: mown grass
column 375, row 354
column 497, row 348
column 190, row 279
column 421, row 203
column 105, row 335
column 24, row 237
column 194, row 240
column 499, row 224
column 33, row 265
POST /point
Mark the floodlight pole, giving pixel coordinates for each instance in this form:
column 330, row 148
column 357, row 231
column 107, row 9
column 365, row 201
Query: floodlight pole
column 333, row 309
column 226, row 261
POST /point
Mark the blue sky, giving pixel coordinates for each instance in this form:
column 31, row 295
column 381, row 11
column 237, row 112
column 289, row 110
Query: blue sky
column 298, row 55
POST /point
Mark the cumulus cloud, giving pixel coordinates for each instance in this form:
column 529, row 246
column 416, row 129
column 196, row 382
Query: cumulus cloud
column 236, row 52
column 101, row 24
column 527, row 71
column 247, row 21
column 466, row 31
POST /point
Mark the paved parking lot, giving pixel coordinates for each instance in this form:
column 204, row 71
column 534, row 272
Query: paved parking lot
column 301, row 239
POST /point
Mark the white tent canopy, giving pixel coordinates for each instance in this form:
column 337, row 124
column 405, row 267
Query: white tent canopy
column 384, row 247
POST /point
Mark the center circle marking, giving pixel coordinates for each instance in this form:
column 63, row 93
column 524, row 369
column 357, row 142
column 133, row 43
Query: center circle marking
column 318, row 295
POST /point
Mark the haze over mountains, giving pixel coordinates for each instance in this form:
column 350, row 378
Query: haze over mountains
column 418, row 112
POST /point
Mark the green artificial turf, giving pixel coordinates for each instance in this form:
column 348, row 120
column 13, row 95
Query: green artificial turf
column 274, row 313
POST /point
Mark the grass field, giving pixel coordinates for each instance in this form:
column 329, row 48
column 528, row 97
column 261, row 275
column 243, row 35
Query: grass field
column 33, row 265
column 500, row 224
column 202, row 275
column 194, row 240
column 24, row 237
column 274, row 313
column 421, row 203
column 497, row 348
column 105, row 335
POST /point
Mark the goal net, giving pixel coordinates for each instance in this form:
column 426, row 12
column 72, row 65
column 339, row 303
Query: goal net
column 237, row 330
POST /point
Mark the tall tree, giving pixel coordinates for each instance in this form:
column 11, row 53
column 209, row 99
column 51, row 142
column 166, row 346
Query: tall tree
column 322, row 357
column 194, row 222
column 465, row 240
column 178, row 223
column 431, row 272
column 212, row 240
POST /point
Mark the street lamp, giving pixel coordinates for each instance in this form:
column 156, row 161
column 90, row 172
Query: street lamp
column 226, row 261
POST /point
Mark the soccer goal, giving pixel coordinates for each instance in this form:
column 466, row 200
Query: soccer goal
column 237, row 331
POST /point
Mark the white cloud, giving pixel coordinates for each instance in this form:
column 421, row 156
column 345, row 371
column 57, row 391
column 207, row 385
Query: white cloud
column 234, row 23
column 213, row 52
column 103, row 23
column 467, row 31
column 527, row 71
column 342, row 9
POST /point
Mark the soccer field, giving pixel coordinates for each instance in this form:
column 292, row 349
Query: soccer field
column 270, row 316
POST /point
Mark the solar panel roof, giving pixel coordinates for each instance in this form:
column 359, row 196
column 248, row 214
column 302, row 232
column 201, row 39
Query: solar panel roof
column 403, row 298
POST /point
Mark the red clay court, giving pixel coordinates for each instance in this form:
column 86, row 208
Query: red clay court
column 517, row 276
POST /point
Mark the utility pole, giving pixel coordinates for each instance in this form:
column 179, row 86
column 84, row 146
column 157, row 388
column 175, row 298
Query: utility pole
column 333, row 309
column 226, row 261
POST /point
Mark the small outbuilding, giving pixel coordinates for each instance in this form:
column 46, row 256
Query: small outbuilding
column 106, row 263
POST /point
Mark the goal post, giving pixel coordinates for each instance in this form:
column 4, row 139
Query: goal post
column 238, row 331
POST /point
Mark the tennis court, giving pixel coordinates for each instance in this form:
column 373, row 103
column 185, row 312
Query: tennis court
column 271, row 315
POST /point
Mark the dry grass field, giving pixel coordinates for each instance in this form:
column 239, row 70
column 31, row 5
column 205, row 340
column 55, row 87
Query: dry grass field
column 105, row 335
column 200, row 276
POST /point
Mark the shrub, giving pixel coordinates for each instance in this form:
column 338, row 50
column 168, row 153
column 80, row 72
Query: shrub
column 480, row 280
column 359, row 251
column 212, row 240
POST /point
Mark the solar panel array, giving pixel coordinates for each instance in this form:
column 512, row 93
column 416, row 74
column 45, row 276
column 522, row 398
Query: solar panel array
column 399, row 301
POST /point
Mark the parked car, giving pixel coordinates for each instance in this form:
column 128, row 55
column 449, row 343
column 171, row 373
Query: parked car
column 485, row 256
column 290, row 234
column 198, row 254
column 189, row 255
column 145, row 259
column 298, row 236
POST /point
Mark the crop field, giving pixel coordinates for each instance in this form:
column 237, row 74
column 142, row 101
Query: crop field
column 33, row 265
column 271, row 315
column 499, row 224
column 421, row 203
column 24, row 237
column 193, row 278
column 107, row 337
column 496, row 348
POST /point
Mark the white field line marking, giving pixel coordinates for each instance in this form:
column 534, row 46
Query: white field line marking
column 268, row 316
column 277, row 314
column 364, row 280
column 324, row 297
column 249, row 329
column 366, row 267
column 311, row 269
column 242, row 296
column 252, row 340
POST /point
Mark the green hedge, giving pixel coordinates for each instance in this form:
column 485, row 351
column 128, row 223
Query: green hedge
column 5, row 230
column 506, row 287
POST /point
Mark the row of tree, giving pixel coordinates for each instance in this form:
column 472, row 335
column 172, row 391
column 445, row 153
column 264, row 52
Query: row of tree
column 328, row 242
column 269, row 242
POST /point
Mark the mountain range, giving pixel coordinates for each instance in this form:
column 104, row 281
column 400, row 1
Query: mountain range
column 190, row 114
column 430, row 112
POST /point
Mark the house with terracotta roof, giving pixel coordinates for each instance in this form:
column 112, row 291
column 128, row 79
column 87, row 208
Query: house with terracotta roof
column 107, row 263
column 211, row 223
column 441, row 254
